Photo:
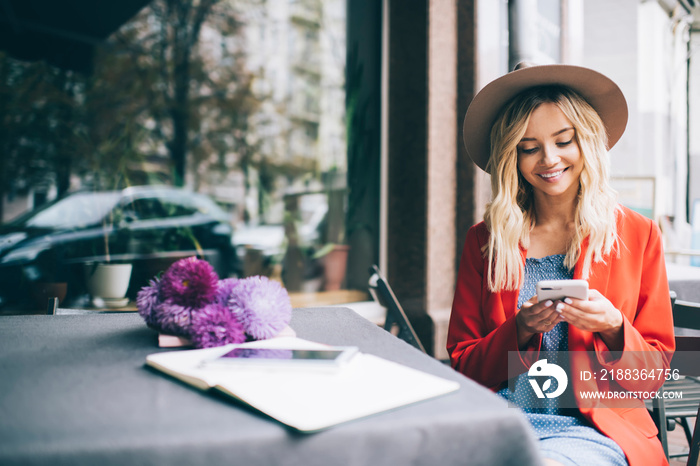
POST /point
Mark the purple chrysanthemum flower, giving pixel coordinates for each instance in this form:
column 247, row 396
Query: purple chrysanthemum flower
column 146, row 301
column 173, row 319
column 261, row 305
column 224, row 292
column 215, row 325
column 190, row 282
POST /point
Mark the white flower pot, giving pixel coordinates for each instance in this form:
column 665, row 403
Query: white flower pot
column 108, row 282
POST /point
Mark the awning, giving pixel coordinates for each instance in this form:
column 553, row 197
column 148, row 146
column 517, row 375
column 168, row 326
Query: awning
column 62, row 32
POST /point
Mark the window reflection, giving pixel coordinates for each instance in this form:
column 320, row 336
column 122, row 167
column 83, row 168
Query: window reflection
column 241, row 112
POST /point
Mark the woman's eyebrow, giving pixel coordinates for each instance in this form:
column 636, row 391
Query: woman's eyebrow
column 557, row 133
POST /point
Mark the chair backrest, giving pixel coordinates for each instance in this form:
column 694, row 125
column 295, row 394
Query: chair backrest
column 686, row 320
column 395, row 316
column 686, row 314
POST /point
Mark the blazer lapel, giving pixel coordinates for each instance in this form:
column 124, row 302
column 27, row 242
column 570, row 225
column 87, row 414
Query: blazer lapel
column 599, row 276
column 598, row 280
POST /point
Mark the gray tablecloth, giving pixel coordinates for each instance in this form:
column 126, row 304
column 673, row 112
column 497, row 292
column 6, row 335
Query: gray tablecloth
column 74, row 390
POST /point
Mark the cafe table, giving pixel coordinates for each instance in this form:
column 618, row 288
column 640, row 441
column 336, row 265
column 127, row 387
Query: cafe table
column 74, row 390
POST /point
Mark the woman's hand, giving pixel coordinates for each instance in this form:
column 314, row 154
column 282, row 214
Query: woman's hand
column 595, row 315
column 534, row 317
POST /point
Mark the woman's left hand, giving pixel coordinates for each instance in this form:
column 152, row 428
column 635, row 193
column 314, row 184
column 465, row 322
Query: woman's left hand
column 595, row 315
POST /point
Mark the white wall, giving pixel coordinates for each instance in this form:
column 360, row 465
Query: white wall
column 642, row 49
column 695, row 117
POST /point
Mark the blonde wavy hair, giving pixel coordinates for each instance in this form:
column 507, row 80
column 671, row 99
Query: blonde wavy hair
column 510, row 216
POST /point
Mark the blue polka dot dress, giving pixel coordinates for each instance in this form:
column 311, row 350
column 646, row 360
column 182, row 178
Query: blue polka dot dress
column 564, row 435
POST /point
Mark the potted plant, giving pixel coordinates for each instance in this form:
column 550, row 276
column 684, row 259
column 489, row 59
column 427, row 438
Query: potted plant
column 334, row 254
column 335, row 261
column 107, row 281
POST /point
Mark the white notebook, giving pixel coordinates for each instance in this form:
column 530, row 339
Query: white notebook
column 307, row 400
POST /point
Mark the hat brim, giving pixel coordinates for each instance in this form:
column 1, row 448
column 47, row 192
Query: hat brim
column 597, row 89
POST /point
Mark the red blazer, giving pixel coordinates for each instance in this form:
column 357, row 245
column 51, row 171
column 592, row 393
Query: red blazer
column 482, row 327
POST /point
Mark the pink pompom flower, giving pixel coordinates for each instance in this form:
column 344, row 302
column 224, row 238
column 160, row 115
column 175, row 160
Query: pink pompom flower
column 224, row 291
column 261, row 305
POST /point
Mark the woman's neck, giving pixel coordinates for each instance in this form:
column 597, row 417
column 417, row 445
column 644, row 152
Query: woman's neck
column 554, row 212
column 554, row 227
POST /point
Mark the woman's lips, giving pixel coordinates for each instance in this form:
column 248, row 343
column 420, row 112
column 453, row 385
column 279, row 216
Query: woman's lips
column 552, row 176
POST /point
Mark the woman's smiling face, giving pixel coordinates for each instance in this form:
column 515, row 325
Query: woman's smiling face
column 549, row 156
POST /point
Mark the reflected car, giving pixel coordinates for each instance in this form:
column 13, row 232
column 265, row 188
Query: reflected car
column 148, row 226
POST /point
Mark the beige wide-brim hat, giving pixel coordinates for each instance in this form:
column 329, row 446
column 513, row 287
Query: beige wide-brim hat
column 598, row 90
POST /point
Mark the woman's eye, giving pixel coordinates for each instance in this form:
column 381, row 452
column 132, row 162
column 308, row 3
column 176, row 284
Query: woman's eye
column 565, row 143
column 529, row 150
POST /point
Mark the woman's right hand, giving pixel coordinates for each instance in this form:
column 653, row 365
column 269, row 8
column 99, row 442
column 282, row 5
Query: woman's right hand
column 534, row 317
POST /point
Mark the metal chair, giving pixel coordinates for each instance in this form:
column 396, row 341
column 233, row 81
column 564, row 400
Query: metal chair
column 694, row 454
column 395, row 316
column 668, row 412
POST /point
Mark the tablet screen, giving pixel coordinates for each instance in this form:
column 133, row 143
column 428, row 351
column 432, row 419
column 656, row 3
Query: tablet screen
column 283, row 354
column 286, row 357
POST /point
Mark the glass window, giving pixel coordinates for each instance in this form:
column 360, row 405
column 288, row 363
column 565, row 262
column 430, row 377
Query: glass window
column 535, row 31
column 237, row 108
column 549, row 31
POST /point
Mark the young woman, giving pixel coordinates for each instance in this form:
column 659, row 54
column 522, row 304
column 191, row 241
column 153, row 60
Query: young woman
column 543, row 134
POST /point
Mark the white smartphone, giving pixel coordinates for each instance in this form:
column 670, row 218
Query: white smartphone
column 285, row 358
column 560, row 289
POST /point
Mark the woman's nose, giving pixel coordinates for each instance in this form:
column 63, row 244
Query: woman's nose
column 550, row 155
